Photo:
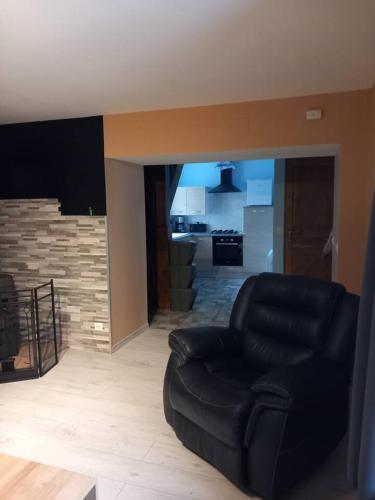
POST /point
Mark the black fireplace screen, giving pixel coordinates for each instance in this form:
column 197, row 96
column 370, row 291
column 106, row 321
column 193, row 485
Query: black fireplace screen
column 28, row 341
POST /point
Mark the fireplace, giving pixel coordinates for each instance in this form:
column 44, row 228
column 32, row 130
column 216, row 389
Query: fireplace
column 28, row 337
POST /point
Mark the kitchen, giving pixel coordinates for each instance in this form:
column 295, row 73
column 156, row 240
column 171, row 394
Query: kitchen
column 224, row 211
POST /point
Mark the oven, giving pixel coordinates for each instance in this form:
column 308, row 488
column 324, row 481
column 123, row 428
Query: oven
column 227, row 250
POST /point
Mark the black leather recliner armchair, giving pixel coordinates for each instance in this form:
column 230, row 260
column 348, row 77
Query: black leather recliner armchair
column 266, row 399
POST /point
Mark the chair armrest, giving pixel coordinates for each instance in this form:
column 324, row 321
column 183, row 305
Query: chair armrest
column 203, row 342
column 304, row 384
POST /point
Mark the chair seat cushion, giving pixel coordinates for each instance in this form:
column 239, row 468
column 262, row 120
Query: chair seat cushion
column 216, row 396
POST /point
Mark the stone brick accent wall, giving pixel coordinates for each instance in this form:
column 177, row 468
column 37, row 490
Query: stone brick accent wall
column 37, row 243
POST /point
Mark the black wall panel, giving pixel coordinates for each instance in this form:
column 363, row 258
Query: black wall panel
column 61, row 159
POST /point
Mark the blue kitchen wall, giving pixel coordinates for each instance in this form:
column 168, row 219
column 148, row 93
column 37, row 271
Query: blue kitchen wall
column 251, row 170
column 200, row 174
column 224, row 210
column 207, row 174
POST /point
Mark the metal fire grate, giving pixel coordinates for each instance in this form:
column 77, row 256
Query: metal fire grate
column 28, row 340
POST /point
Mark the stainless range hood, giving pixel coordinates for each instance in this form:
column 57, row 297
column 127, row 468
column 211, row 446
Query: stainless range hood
column 226, row 185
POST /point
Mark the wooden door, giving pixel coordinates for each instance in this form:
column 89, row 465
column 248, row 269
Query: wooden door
column 156, row 240
column 308, row 215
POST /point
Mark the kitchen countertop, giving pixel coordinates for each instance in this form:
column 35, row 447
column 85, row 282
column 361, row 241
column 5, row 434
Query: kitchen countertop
column 201, row 234
column 227, row 234
column 180, row 236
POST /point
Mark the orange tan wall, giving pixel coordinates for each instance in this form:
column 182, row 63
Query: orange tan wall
column 126, row 249
column 268, row 124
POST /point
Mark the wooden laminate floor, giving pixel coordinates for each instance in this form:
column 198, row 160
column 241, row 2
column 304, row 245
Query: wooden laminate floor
column 27, row 480
column 102, row 415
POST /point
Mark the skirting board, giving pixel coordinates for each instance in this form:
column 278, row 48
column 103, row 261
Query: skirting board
column 124, row 341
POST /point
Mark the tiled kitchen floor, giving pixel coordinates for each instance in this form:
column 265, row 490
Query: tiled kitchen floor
column 212, row 306
column 103, row 415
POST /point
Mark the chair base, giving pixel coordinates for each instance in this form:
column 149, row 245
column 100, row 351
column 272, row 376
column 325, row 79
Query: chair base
column 264, row 467
column 227, row 460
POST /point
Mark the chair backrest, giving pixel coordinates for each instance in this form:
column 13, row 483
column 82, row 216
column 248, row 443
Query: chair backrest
column 283, row 319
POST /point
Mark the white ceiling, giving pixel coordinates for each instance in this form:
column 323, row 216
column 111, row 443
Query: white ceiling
column 66, row 58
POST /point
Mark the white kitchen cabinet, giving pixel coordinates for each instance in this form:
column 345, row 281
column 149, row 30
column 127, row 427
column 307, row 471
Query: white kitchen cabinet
column 179, row 206
column 196, row 200
column 189, row 201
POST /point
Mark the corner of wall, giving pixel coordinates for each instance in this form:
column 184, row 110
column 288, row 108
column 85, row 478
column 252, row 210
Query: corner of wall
column 126, row 239
column 372, row 138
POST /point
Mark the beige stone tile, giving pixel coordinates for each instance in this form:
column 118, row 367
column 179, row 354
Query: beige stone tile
column 72, row 251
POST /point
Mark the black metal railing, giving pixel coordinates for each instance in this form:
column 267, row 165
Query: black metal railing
column 28, row 337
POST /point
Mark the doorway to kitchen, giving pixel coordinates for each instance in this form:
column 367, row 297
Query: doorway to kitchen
column 220, row 226
column 212, row 205
column 216, row 224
